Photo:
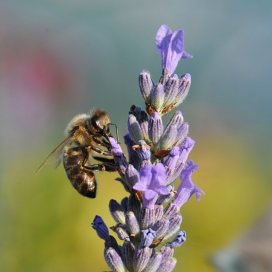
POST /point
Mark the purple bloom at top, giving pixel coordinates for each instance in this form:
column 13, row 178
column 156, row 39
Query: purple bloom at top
column 187, row 188
column 152, row 183
column 171, row 47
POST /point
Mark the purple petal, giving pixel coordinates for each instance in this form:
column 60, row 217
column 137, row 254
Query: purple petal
column 185, row 149
column 174, row 52
column 149, row 198
column 146, row 174
column 187, row 188
column 163, row 32
column 149, row 194
column 159, row 179
column 171, row 47
column 140, row 186
column 162, row 190
column 186, row 174
column 179, row 239
column 115, row 147
column 147, row 238
column 177, row 42
column 145, row 178
column 186, row 55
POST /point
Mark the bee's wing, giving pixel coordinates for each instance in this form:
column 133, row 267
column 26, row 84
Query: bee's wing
column 55, row 154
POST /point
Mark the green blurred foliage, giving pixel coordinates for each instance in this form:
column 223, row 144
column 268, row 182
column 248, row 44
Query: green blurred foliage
column 46, row 225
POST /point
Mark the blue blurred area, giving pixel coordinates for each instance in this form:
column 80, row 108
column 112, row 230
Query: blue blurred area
column 60, row 58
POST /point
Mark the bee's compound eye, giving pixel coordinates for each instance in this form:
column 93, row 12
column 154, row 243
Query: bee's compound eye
column 98, row 123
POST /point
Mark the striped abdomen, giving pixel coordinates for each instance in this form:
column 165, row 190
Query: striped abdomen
column 81, row 178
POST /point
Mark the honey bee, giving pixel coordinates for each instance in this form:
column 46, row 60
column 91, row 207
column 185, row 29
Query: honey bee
column 86, row 136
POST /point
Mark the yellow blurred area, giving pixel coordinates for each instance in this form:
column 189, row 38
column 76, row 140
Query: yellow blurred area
column 46, row 226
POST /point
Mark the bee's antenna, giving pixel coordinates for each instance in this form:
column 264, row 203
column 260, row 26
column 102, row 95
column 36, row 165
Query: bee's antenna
column 116, row 131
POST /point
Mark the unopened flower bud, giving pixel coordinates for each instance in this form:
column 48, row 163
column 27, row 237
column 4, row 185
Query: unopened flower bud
column 171, row 161
column 154, row 263
column 148, row 217
column 171, row 211
column 168, row 265
column 128, row 251
column 184, row 151
column 171, row 90
column 161, row 227
column 182, row 133
column 121, row 232
column 134, row 205
column 132, row 224
column 174, row 225
column 101, row 229
column 134, row 129
column 176, row 120
column 158, row 212
column 183, row 89
column 167, row 252
column 155, row 127
column 146, row 85
column 117, row 212
column 157, row 97
column 114, row 260
column 144, row 129
column 124, row 204
column 131, row 175
column 141, row 258
column 168, row 139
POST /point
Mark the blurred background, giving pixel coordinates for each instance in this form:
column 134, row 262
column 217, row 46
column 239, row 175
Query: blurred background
column 60, row 58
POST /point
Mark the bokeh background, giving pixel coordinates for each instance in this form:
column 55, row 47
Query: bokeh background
column 59, row 58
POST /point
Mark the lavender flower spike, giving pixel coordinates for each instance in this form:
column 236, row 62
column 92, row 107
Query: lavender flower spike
column 187, row 188
column 171, row 47
column 150, row 214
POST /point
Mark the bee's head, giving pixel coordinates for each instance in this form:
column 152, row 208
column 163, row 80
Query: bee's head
column 99, row 121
